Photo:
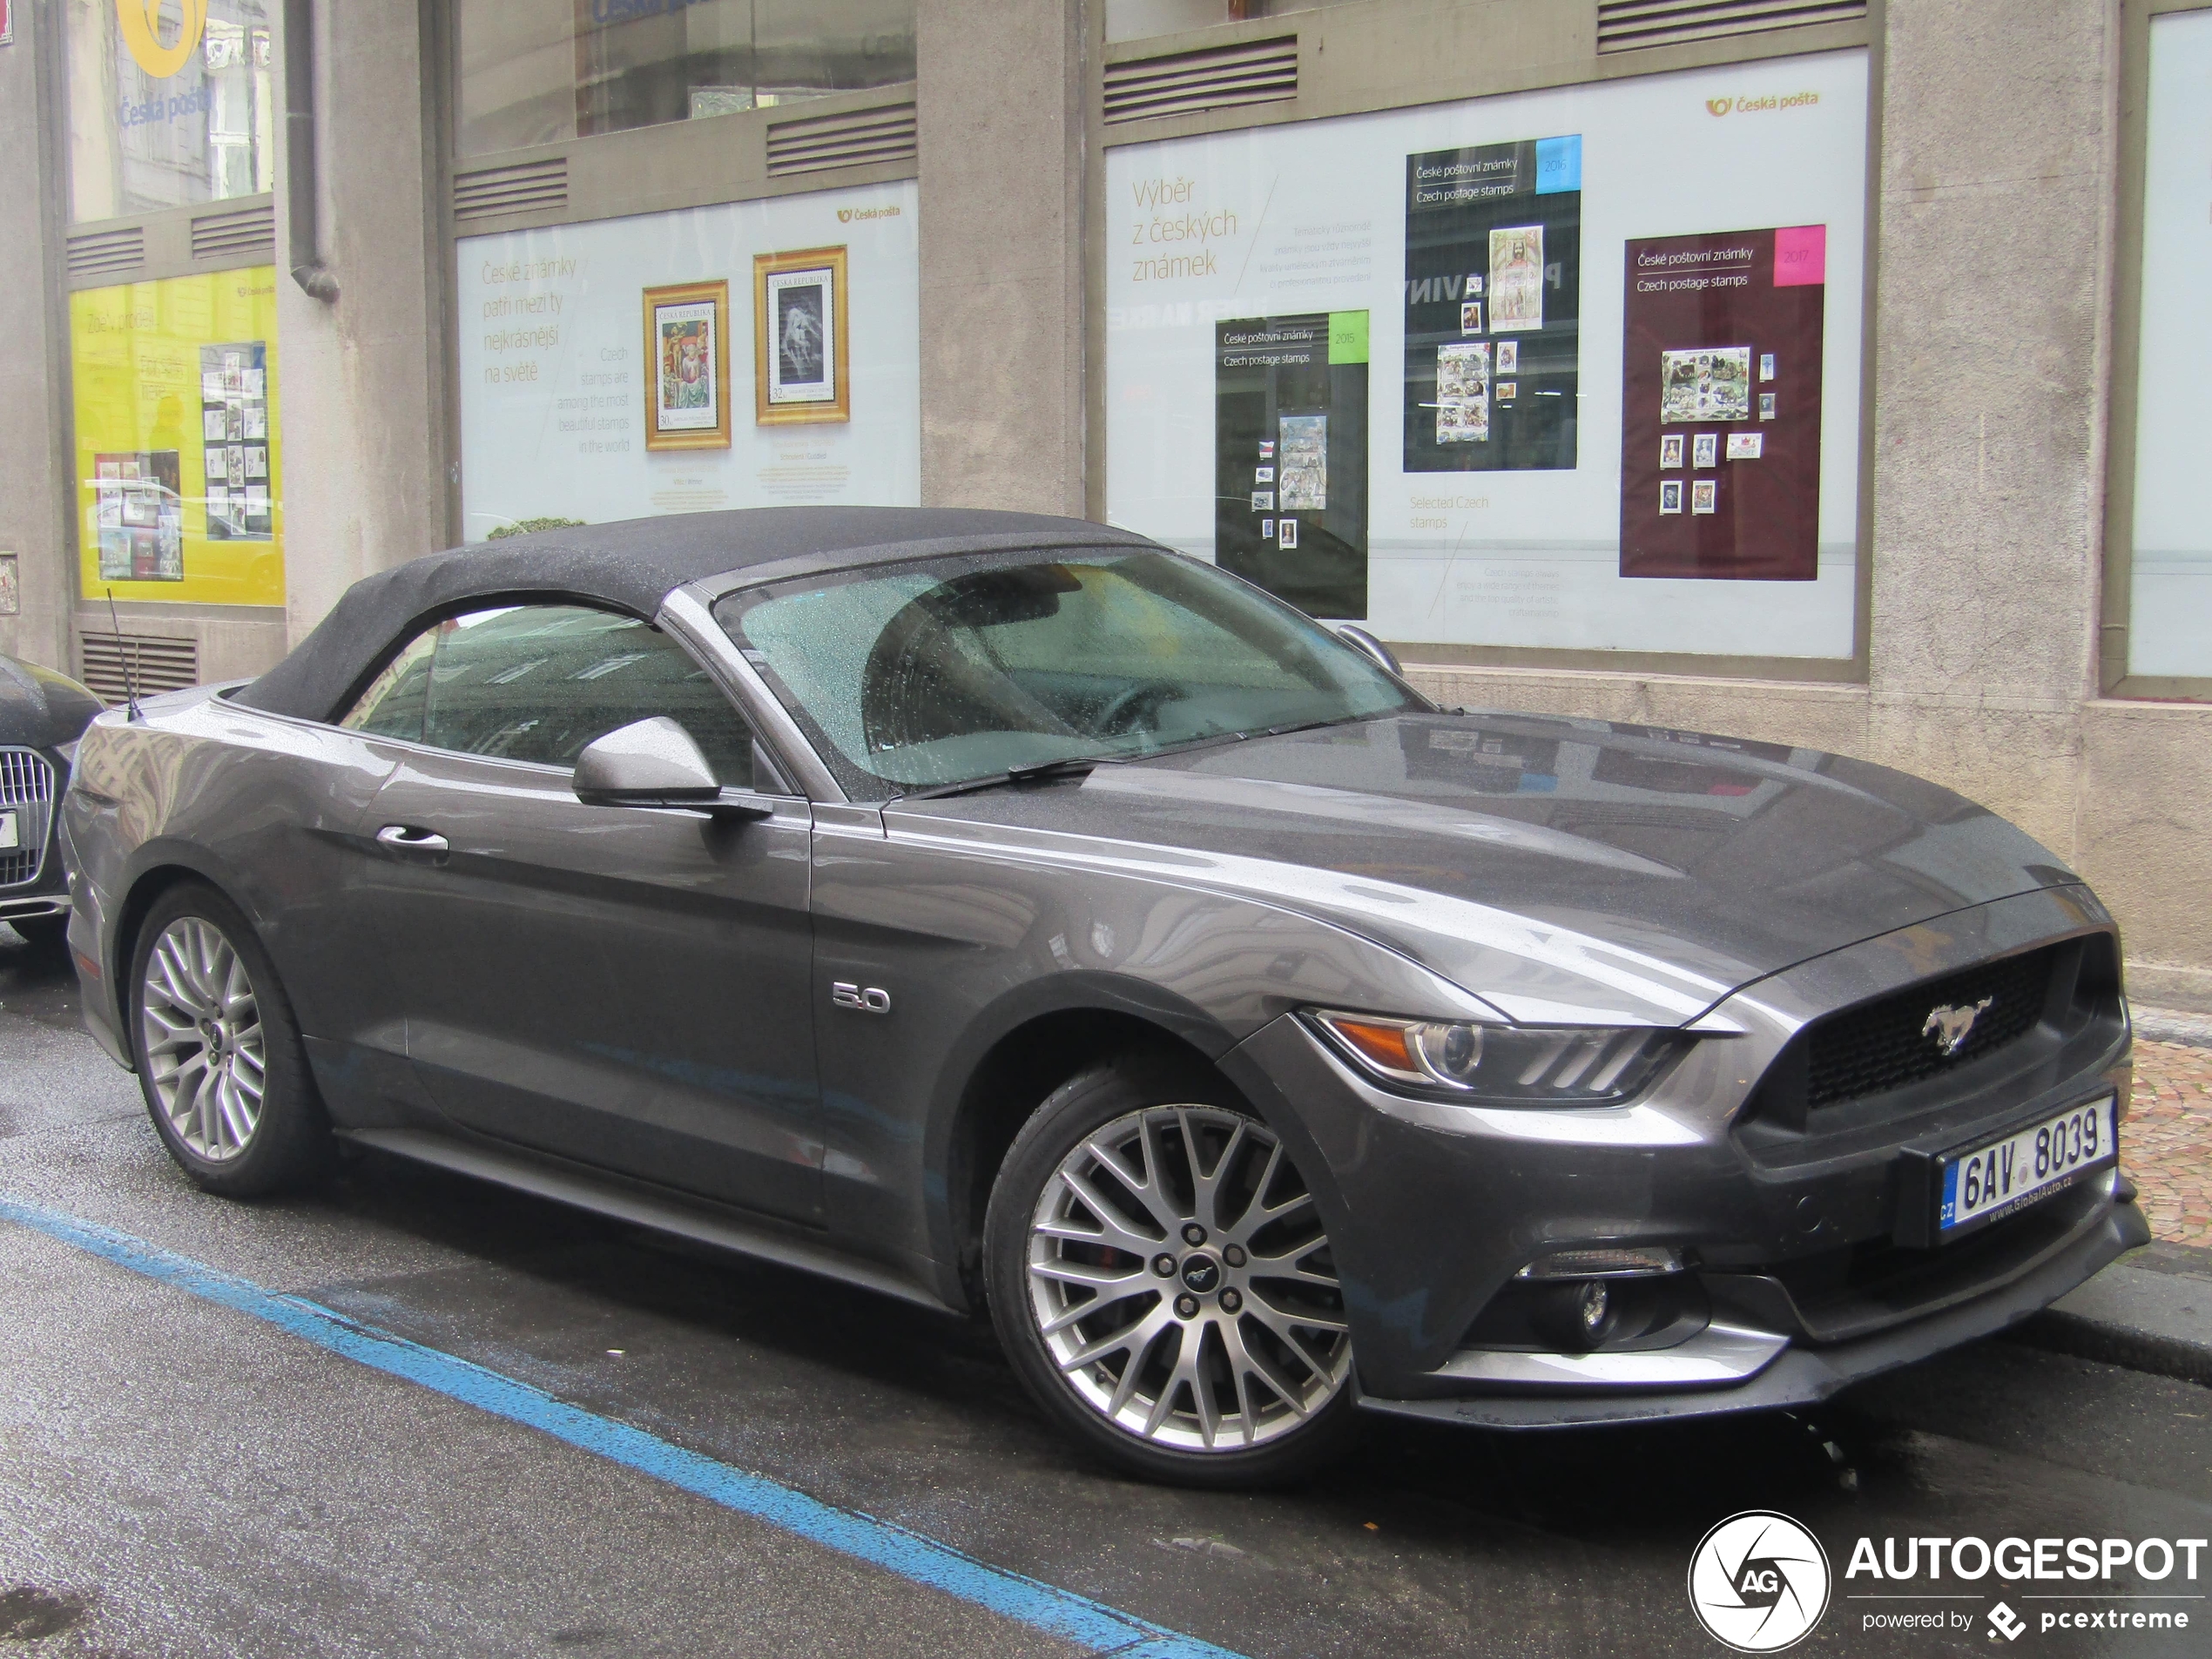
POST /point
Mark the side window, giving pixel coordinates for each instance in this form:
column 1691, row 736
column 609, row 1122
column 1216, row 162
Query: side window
column 538, row 683
column 392, row 707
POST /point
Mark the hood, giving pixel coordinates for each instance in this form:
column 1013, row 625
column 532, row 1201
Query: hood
column 39, row 708
column 1562, row 870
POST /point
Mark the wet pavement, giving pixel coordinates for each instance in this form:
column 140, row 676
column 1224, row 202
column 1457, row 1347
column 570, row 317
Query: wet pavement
column 177, row 1477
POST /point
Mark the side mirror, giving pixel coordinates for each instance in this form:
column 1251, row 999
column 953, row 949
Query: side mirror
column 1368, row 645
column 649, row 763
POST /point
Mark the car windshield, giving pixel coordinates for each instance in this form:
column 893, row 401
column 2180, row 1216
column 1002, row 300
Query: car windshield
column 911, row 675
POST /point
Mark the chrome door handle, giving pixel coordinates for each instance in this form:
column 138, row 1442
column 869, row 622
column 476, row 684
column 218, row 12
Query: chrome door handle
column 404, row 838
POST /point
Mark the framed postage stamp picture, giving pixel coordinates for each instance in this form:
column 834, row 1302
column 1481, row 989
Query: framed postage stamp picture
column 687, row 342
column 798, row 338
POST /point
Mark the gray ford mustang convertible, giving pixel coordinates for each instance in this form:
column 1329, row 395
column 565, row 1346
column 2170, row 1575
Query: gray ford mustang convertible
column 1005, row 911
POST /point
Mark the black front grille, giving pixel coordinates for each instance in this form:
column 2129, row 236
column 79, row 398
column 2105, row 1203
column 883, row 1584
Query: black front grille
column 1880, row 1046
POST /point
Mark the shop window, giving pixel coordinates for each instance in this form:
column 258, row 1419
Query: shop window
column 1574, row 370
column 541, row 72
column 1141, row 19
column 178, row 447
column 169, row 105
column 2169, row 590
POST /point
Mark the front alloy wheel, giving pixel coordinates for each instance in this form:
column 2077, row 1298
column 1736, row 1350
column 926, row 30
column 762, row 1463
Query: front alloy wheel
column 1176, row 1286
column 206, row 1064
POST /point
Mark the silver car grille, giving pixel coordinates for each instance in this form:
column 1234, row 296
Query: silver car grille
column 27, row 791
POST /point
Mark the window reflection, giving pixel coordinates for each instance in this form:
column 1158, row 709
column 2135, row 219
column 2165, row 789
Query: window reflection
column 1141, row 19
column 177, row 109
column 539, row 72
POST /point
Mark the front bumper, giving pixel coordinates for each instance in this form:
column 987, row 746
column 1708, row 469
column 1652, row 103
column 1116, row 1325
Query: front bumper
column 1803, row 1375
column 1804, row 1269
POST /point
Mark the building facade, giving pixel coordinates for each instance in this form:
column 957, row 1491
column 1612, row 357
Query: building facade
column 1825, row 373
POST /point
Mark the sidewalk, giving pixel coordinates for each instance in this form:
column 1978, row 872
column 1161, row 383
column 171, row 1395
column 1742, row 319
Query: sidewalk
column 2165, row 1144
column 2153, row 1311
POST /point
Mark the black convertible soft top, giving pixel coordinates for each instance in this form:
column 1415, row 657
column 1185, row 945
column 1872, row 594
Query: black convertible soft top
column 630, row 566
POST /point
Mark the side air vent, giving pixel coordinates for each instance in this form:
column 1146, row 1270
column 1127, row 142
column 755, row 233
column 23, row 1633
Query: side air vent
column 1255, row 72
column 1624, row 25
column 107, row 252
column 156, row 664
column 530, row 187
column 853, row 138
column 249, row 233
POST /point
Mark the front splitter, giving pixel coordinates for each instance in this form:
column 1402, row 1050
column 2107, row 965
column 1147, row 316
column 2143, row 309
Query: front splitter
column 1804, row 1375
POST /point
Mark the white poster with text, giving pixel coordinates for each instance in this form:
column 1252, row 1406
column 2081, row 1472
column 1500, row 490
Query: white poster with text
column 555, row 388
column 1472, row 257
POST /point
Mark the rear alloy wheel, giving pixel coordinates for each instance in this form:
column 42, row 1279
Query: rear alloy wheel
column 220, row 1060
column 206, row 1060
column 1175, row 1299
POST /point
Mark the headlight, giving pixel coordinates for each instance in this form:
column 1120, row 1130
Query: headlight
column 1512, row 1064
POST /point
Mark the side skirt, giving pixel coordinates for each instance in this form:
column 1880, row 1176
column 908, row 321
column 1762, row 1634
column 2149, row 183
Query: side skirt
column 642, row 1208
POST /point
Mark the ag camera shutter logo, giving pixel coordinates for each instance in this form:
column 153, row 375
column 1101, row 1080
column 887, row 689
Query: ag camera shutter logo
column 1758, row 1582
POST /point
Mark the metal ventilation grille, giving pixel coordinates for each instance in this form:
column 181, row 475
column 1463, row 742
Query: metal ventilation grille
column 107, row 252
column 855, row 138
column 1256, row 71
column 248, row 233
column 27, row 786
column 532, row 187
column 156, row 664
column 1624, row 25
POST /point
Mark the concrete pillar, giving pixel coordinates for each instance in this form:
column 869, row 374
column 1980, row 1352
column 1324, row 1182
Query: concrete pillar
column 999, row 110
column 1997, row 181
column 36, row 499
column 363, row 378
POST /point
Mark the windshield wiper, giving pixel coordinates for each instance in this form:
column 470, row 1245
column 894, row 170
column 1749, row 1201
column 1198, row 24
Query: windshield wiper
column 1314, row 726
column 1043, row 771
column 1223, row 739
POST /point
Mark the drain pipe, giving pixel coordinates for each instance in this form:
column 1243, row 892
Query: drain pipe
column 307, row 270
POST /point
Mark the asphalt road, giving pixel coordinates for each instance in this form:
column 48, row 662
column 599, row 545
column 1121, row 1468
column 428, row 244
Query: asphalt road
column 181, row 1477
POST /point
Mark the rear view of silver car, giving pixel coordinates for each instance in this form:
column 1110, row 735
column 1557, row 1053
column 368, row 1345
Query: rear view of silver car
column 1012, row 915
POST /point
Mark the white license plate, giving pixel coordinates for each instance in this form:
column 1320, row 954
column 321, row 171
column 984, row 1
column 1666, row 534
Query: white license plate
column 9, row 835
column 2007, row 1175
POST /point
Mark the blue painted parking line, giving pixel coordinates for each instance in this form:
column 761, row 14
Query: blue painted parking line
column 1042, row 1606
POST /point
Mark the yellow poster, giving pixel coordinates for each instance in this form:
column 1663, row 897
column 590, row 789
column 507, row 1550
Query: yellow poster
column 178, row 472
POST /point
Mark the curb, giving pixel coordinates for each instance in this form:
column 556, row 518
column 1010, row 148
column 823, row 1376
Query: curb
column 2173, row 1025
column 2115, row 1345
column 2150, row 1311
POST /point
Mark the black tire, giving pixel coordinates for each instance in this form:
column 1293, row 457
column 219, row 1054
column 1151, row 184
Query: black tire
column 42, row 933
column 1293, row 1441
column 289, row 1142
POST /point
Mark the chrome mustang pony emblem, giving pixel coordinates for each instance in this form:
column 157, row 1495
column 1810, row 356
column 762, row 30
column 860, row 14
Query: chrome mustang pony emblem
column 1950, row 1025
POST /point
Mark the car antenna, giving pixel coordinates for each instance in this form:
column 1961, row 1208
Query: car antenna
column 129, row 679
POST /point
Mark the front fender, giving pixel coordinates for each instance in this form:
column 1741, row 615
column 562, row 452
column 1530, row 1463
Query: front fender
column 971, row 934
